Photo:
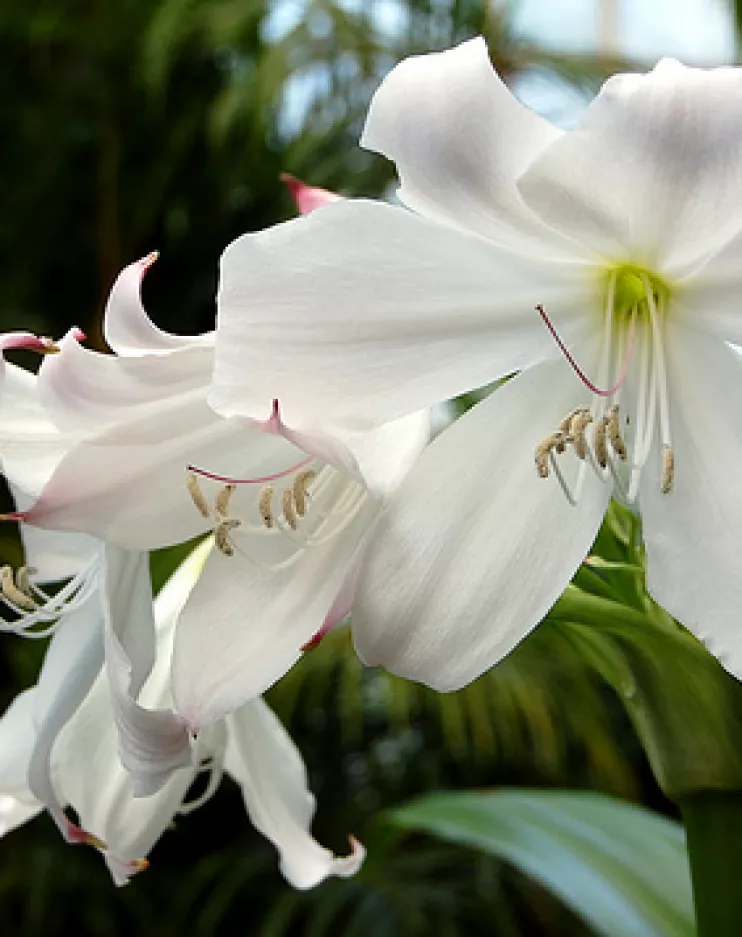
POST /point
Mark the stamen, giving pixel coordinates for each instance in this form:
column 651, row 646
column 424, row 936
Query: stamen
column 578, row 425
column 23, row 581
column 301, row 484
column 288, row 508
column 599, row 441
column 222, row 500
column 197, row 496
column 543, row 450
column 668, row 470
column 264, row 505
column 578, row 370
column 13, row 594
column 260, row 480
column 614, row 434
column 221, row 535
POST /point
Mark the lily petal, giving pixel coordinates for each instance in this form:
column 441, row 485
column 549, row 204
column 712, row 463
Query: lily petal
column 362, row 313
column 246, row 622
column 693, row 535
column 127, row 327
column 488, row 544
column 459, row 139
column 126, row 485
column 652, row 174
column 17, row 736
column 268, row 767
column 71, row 665
column 152, row 742
column 83, row 390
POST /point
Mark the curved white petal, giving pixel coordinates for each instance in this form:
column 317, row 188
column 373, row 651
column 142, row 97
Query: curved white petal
column 460, row 139
column 474, row 548
column 268, row 767
column 91, row 779
column 83, row 391
column 652, row 174
column 30, row 445
column 708, row 299
column 362, row 313
column 127, row 484
column 153, row 740
column 127, row 327
column 71, row 665
column 17, row 738
column 693, row 535
column 248, row 617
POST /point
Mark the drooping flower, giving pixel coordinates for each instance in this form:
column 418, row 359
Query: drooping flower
column 59, row 743
column 153, row 465
column 604, row 265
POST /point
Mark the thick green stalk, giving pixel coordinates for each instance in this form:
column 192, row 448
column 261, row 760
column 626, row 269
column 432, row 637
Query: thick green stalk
column 713, row 822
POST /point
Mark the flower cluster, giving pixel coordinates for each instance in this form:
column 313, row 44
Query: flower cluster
column 592, row 272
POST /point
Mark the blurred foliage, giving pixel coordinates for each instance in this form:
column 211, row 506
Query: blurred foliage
column 165, row 124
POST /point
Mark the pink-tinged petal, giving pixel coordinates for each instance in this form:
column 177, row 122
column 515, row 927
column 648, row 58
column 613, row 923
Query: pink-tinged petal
column 459, row 139
column 127, row 484
column 307, row 197
column 693, row 534
column 474, row 548
column 363, row 313
column 83, row 391
column 127, row 327
column 268, row 767
column 652, row 174
column 30, row 445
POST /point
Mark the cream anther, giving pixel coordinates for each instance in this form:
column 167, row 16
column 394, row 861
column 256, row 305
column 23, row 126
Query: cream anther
column 543, row 451
column 668, row 470
column 221, row 502
column 15, row 595
column 614, row 434
column 600, row 448
column 287, row 504
column 264, row 505
column 197, row 496
column 301, row 484
column 578, row 425
column 221, row 534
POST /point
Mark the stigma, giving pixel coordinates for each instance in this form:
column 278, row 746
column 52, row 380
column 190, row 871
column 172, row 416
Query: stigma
column 614, row 439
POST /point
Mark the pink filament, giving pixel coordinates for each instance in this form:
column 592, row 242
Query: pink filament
column 260, row 480
column 578, row 370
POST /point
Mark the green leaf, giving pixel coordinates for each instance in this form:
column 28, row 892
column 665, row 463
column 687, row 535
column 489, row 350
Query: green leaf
column 620, row 867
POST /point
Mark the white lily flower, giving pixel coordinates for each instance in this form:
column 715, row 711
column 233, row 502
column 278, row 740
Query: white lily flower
column 154, row 465
column 82, row 748
column 604, row 264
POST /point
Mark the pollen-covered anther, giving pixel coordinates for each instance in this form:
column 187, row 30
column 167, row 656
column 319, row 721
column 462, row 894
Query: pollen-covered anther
column 543, row 451
column 287, row 505
column 265, row 507
column 301, row 493
column 668, row 470
column 578, row 425
column 14, row 593
column 600, row 441
column 614, row 434
column 197, row 496
column 222, row 500
column 221, row 534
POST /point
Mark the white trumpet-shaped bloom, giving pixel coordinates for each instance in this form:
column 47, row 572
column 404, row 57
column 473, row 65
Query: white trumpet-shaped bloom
column 59, row 746
column 604, row 264
column 147, row 464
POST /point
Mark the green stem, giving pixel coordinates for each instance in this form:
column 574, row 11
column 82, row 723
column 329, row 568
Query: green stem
column 713, row 823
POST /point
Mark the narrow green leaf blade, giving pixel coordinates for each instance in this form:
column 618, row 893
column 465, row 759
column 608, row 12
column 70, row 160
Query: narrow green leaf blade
column 622, row 868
